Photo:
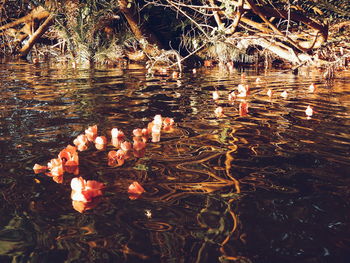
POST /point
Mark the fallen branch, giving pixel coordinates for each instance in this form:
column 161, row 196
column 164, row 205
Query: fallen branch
column 23, row 52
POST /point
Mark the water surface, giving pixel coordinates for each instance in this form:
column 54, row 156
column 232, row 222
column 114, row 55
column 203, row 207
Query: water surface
column 269, row 185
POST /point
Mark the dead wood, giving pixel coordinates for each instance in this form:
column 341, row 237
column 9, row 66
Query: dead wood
column 23, row 52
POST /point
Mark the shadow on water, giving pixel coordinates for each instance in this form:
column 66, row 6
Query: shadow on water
column 260, row 183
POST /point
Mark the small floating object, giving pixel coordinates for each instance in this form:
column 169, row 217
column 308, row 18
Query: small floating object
column 243, row 108
column 81, row 142
column 135, row 190
column 39, row 168
column 158, row 120
column 194, row 71
column 269, row 93
column 117, row 133
column 85, row 191
column 216, row 95
column 309, row 111
column 100, row 142
column 137, row 132
column 116, row 158
column 125, row 146
column 232, row 96
column 91, row 133
column 156, row 136
column 168, row 121
column 242, row 90
column 138, row 144
column 219, row 112
column 312, row 88
column 284, row 94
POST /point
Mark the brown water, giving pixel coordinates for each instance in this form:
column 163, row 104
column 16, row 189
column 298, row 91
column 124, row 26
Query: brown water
column 267, row 186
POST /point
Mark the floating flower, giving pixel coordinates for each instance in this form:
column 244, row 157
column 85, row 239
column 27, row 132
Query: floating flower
column 242, row 90
column 232, row 96
column 215, row 95
column 145, row 132
column 269, row 93
column 284, row 94
column 85, row 191
column 243, row 108
column 135, row 190
column 39, row 168
column 91, row 133
column 69, row 156
column 219, row 112
column 125, row 146
column 117, row 133
column 117, row 141
column 312, row 88
column 100, row 142
column 155, row 136
column 168, row 121
column 81, row 207
column 56, row 170
column 156, row 128
column 116, row 158
column 81, row 142
column 137, row 132
column 309, row 111
column 138, row 144
column 56, row 167
column 158, row 120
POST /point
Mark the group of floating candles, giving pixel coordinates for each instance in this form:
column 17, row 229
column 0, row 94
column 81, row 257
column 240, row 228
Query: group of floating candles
column 243, row 92
column 84, row 191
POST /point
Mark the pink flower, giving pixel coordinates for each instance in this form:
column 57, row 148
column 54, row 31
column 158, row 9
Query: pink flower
column 116, row 158
column 117, row 133
column 168, row 121
column 158, row 120
column 269, row 93
column 69, row 156
column 139, row 145
column 155, row 136
column 125, row 146
column 135, row 190
column 81, row 142
column 243, row 109
column 39, row 168
column 219, row 112
column 232, row 96
column 309, row 111
column 56, row 167
column 137, row 132
column 215, row 95
column 91, row 133
column 100, row 142
column 85, row 191
column 312, row 88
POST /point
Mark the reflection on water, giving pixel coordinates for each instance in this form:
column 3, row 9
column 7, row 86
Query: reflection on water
column 259, row 182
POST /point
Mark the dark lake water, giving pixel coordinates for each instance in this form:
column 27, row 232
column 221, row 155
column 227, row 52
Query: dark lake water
column 267, row 185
